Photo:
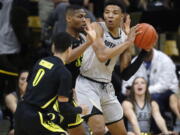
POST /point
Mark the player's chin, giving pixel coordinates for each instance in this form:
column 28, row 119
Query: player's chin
column 110, row 25
column 82, row 30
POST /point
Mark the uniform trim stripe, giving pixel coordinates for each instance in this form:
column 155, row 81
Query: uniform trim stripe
column 79, row 120
column 8, row 73
column 50, row 125
column 46, row 64
column 49, row 102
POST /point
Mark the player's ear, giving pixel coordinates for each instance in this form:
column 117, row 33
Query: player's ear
column 68, row 18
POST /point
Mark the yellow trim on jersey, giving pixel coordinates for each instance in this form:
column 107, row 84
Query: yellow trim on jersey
column 50, row 125
column 46, row 64
column 56, row 106
column 49, row 102
column 61, row 118
column 8, row 73
column 79, row 120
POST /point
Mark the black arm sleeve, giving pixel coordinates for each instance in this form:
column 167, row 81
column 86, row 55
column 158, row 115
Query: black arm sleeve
column 133, row 67
column 68, row 109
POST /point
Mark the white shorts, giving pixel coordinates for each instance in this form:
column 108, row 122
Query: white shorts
column 101, row 96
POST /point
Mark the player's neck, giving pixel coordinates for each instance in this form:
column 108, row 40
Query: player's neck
column 61, row 56
column 114, row 32
column 73, row 33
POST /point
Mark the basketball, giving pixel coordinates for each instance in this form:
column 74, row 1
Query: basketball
column 147, row 38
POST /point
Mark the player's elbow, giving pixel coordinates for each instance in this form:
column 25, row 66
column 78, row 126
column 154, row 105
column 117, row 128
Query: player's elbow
column 102, row 58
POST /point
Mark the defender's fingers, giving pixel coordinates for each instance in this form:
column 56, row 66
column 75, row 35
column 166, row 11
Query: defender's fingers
column 88, row 24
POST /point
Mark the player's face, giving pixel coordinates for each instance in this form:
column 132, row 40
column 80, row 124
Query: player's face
column 140, row 86
column 78, row 20
column 22, row 82
column 112, row 16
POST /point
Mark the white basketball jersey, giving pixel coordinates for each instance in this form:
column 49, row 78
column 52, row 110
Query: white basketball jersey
column 101, row 71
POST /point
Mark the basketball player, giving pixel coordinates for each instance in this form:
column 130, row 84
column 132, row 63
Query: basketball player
column 49, row 82
column 76, row 24
column 93, row 86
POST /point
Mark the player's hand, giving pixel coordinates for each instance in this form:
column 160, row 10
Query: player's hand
column 126, row 24
column 91, row 33
column 133, row 32
column 85, row 109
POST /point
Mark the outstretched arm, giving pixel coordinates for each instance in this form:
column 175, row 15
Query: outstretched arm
column 131, row 69
column 158, row 118
column 131, row 116
column 78, row 51
column 104, row 53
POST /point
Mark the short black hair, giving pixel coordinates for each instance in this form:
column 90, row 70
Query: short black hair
column 116, row 3
column 71, row 8
column 62, row 41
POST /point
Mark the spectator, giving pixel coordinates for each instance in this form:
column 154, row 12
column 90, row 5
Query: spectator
column 136, row 5
column 45, row 8
column 139, row 108
column 159, row 70
column 97, row 8
column 11, row 99
column 9, row 46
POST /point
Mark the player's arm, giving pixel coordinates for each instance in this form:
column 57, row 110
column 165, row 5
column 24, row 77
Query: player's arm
column 131, row 116
column 90, row 38
column 125, row 59
column 104, row 53
column 158, row 118
column 64, row 93
column 66, row 107
column 77, row 52
column 132, row 68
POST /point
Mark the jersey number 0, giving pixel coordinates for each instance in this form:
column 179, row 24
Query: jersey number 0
column 38, row 76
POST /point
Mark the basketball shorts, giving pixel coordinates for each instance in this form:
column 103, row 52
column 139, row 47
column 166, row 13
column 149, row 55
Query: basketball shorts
column 31, row 121
column 100, row 96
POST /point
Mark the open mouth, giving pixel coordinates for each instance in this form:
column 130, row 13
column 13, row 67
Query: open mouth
column 140, row 89
column 110, row 22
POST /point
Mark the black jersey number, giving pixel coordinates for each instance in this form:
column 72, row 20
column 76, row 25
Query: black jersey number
column 38, row 76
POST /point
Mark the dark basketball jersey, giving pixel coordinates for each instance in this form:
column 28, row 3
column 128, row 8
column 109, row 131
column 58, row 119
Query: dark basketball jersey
column 74, row 67
column 49, row 79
